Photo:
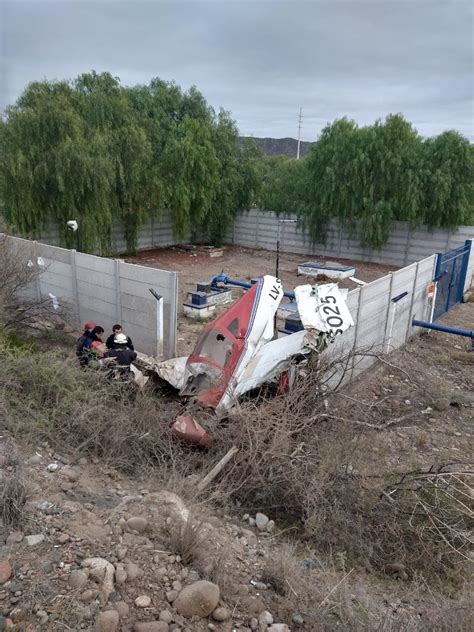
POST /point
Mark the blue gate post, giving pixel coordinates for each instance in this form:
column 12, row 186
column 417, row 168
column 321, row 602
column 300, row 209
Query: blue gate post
column 452, row 279
column 464, row 266
column 437, row 272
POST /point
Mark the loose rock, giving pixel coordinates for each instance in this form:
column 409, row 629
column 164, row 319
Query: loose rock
column 103, row 572
column 279, row 627
column 5, row 571
column 298, row 619
column 107, row 621
column 132, row 571
column 122, row 608
column 151, row 626
column 171, row 595
column 261, row 520
column 198, row 599
column 77, row 579
column 14, row 538
column 89, row 595
column 166, row 616
column 33, row 540
column 221, row 614
column 121, row 552
column 120, row 576
column 137, row 523
column 143, row 601
column 264, row 620
column 42, row 617
column 441, row 404
column 63, row 538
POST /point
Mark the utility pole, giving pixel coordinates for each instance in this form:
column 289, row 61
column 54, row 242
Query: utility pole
column 299, row 134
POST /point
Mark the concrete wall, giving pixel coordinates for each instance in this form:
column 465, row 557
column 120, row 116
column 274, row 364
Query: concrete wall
column 381, row 325
column 258, row 229
column 155, row 234
column 107, row 291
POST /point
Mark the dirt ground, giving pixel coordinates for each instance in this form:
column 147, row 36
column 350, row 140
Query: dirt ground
column 428, row 386
column 194, row 264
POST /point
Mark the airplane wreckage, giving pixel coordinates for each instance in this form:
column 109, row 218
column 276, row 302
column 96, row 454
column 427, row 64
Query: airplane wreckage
column 238, row 352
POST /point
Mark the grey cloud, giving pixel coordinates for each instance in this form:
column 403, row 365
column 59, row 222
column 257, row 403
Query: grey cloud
column 261, row 60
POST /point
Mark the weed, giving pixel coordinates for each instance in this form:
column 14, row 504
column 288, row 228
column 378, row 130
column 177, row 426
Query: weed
column 13, row 497
column 186, row 539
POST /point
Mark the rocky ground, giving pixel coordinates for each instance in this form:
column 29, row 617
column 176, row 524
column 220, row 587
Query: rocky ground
column 96, row 553
column 98, row 550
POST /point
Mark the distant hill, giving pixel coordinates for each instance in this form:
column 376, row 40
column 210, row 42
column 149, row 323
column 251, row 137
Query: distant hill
column 281, row 146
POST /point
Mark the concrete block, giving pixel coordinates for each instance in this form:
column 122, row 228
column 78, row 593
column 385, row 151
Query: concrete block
column 199, row 312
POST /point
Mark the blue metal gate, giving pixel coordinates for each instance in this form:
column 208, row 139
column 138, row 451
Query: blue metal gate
column 450, row 274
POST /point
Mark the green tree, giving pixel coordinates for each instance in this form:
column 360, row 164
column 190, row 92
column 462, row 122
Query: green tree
column 92, row 150
column 448, row 181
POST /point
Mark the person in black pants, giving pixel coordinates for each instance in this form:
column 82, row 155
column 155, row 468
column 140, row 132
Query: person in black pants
column 121, row 352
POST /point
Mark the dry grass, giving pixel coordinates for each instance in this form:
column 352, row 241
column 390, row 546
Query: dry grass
column 13, row 496
column 187, row 539
column 312, row 471
column 20, row 304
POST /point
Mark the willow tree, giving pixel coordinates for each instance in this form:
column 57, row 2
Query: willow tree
column 92, row 150
column 448, row 181
column 237, row 178
column 50, row 171
column 390, row 166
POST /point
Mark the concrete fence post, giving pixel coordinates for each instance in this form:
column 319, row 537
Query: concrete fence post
column 387, row 313
column 35, row 262
column 118, row 299
column 407, row 247
column 448, row 240
column 173, row 321
column 356, row 327
column 339, row 247
column 75, row 292
column 412, row 301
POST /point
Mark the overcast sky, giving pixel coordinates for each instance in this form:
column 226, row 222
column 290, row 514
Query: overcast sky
column 262, row 60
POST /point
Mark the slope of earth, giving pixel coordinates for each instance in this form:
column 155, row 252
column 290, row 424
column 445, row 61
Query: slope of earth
column 101, row 551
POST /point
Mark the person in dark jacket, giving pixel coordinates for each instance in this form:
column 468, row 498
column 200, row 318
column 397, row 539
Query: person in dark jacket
column 88, row 327
column 92, row 333
column 117, row 329
column 121, row 352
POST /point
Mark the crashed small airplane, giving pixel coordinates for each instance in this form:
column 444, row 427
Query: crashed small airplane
column 238, row 351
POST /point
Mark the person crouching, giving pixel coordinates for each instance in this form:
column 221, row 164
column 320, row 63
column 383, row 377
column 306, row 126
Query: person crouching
column 121, row 352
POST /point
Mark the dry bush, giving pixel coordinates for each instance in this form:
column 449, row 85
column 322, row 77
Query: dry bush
column 332, row 596
column 47, row 397
column 13, row 497
column 283, row 572
column 20, row 304
column 312, row 470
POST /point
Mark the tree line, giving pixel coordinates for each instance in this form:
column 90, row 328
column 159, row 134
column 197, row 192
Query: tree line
column 101, row 153
column 93, row 150
column 366, row 177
